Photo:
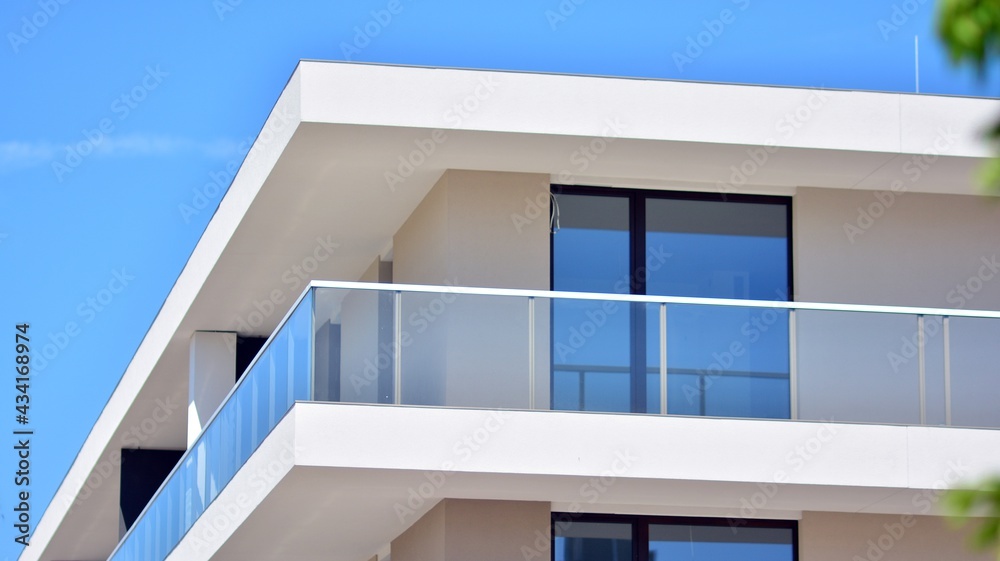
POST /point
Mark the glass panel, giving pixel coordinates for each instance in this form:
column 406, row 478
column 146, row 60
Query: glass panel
column 652, row 316
column 354, row 358
column 934, row 369
column 258, row 383
column 858, row 367
column 592, row 541
column 300, row 350
column 590, row 251
column 719, row 543
column 156, row 524
column 591, row 355
column 728, row 361
column 280, row 372
column 227, row 445
column 716, row 249
column 243, row 400
column 591, row 340
column 543, row 354
column 464, row 350
column 975, row 370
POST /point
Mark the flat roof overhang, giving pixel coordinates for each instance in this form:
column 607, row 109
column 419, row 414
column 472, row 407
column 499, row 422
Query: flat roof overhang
column 318, row 176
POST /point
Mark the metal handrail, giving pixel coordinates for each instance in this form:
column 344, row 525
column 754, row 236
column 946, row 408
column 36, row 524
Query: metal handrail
column 652, row 299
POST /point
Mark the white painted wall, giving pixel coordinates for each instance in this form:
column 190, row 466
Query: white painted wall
column 211, row 375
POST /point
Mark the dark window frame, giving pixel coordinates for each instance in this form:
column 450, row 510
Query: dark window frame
column 641, row 522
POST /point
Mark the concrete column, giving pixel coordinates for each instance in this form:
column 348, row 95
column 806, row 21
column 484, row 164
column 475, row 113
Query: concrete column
column 459, row 530
column 211, row 374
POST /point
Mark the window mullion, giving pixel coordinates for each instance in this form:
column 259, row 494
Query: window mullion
column 640, row 540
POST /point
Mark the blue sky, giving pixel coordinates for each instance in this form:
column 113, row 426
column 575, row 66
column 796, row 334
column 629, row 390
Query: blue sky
column 116, row 115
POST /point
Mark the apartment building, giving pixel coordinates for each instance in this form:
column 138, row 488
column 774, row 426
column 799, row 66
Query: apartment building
column 462, row 314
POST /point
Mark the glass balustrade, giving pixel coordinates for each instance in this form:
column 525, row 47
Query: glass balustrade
column 535, row 350
column 280, row 375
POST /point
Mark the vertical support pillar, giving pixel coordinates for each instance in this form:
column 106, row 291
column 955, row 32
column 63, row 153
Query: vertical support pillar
column 922, row 364
column 211, row 374
column 793, row 367
column 531, row 352
column 663, row 358
column 947, row 370
column 397, row 347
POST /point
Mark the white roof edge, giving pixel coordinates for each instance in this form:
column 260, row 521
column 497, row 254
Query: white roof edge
column 277, row 130
column 644, row 109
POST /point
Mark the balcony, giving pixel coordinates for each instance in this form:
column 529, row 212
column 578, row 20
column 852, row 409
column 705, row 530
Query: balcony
column 535, row 350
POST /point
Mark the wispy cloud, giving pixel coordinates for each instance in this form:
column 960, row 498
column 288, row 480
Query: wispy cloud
column 16, row 154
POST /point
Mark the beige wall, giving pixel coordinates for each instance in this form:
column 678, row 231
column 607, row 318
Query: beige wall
column 463, row 530
column 463, row 231
column 424, row 540
column 914, row 253
column 826, row 536
column 459, row 530
column 472, row 229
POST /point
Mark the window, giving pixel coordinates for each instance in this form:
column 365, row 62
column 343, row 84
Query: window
column 673, row 244
column 578, row 537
